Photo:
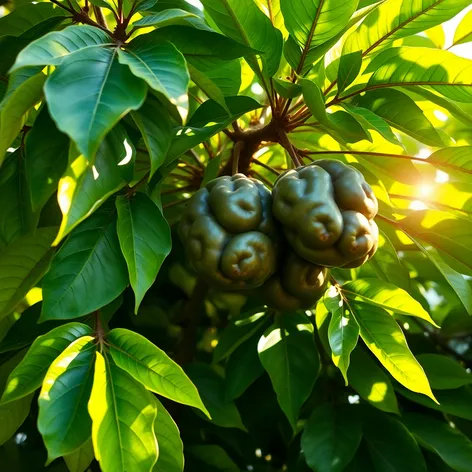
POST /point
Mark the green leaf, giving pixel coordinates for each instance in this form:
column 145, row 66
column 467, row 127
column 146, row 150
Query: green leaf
column 349, row 68
column 457, row 161
column 46, row 153
column 145, row 241
column 392, row 448
column 451, row 445
column 343, row 331
column 444, row 231
column 287, row 89
column 24, row 18
column 12, row 416
column 314, row 23
column 63, row 419
column 53, row 48
column 156, row 128
column 211, row 388
column 212, row 457
column 371, row 382
column 88, row 94
column 385, row 295
column 315, row 101
column 242, row 369
column 208, row 87
column 456, row 280
column 211, row 170
column 171, row 454
column 441, row 70
column 171, row 17
column 394, row 20
column 242, row 21
column 331, row 437
column 123, row 414
column 152, row 367
column 401, row 112
column 387, row 342
column 288, row 353
column 160, row 64
column 80, row 459
column 68, row 289
column 463, row 33
column 13, row 111
column 22, row 265
column 443, row 372
column 29, row 374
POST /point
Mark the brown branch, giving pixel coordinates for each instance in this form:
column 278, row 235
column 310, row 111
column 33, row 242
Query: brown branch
column 266, row 166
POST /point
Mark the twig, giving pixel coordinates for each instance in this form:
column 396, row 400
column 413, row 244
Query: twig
column 178, row 189
column 266, row 166
column 261, row 178
column 238, row 147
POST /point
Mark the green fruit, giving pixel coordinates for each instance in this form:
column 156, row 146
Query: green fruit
column 327, row 210
column 228, row 233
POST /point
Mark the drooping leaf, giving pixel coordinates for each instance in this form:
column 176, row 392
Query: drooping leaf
column 313, row 23
column 63, row 419
column 53, row 48
column 145, row 240
column 171, row 456
column 123, row 413
column 287, row 89
column 392, row 448
column 211, row 457
column 68, row 289
column 89, row 93
column 443, row 372
column 29, row 374
column 349, row 68
column 46, row 153
column 394, row 20
column 385, row 295
column 331, row 437
column 387, row 342
column 242, row 21
column 401, row 112
column 22, row 265
column 152, row 367
column 371, row 382
column 160, row 64
column 170, row 17
column 211, row 388
column 208, row 87
column 12, row 416
column 451, row 445
column 80, row 459
column 288, row 353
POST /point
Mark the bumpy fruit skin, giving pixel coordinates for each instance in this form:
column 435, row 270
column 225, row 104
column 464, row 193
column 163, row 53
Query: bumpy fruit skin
column 228, row 233
column 298, row 284
column 327, row 211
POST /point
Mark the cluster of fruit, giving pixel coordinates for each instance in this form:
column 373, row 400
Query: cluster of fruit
column 240, row 236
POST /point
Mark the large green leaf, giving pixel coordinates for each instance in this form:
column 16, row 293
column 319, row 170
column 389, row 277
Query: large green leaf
column 53, row 48
column 399, row 18
column 208, row 87
column 457, row 161
column 29, row 374
column 387, row 342
column 392, row 448
column 86, row 184
column 160, row 64
column 288, row 353
column 211, row 388
column 463, row 33
column 171, row 454
column 152, row 367
column 88, row 94
column 123, row 414
column 385, row 295
column 69, row 290
column 451, row 445
column 22, row 265
column 243, row 21
column 46, row 153
column 145, row 241
column 401, row 112
column 81, row 458
column 170, row 17
column 371, row 382
column 156, row 128
column 443, row 71
column 331, row 437
column 314, row 23
column 456, row 280
column 343, row 331
column 25, row 17
column 349, row 68
column 14, row 109
column 63, row 419
column 443, row 372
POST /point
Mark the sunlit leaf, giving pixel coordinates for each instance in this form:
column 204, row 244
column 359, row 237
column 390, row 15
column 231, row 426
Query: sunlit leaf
column 443, row 372
column 80, row 459
column 463, row 33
